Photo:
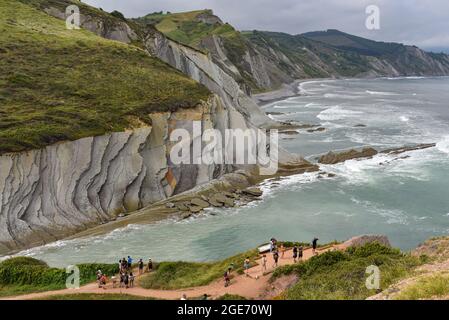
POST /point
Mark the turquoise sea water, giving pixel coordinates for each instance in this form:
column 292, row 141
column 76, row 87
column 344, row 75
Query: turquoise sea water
column 406, row 199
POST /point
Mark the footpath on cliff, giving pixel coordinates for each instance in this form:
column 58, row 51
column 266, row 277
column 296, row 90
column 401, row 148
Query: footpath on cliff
column 254, row 286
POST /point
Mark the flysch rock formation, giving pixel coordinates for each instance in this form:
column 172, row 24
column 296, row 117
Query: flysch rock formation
column 68, row 187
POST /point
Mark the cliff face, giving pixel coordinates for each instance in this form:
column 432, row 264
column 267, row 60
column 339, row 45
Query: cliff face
column 50, row 193
column 218, row 75
column 64, row 188
column 261, row 60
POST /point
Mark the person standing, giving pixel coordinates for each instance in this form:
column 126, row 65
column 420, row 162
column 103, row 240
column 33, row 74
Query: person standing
column 227, row 277
column 122, row 279
column 126, row 280
column 264, row 263
column 130, row 262
column 295, row 253
column 150, row 265
column 300, row 253
column 314, row 245
column 140, row 267
column 282, row 248
column 131, row 280
column 246, row 266
column 276, row 258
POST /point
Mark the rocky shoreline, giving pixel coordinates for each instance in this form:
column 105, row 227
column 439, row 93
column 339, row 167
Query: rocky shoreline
column 368, row 152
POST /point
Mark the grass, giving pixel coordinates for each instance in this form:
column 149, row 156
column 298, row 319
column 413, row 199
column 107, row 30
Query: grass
column 58, row 84
column 428, row 287
column 22, row 275
column 186, row 28
column 95, row 296
column 177, row 275
column 342, row 275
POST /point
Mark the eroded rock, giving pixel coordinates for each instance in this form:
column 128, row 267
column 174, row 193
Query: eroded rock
column 334, row 158
column 364, row 239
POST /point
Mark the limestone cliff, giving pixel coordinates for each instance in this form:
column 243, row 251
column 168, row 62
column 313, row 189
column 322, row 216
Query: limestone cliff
column 59, row 190
column 64, row 188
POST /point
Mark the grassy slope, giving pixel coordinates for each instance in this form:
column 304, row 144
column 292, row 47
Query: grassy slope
column 429, row 287
column 185, row 28
column 338, row 275
column 333, row 60
column 176, row 275
column 353, row 43
column 58, row 84
column 22, row 275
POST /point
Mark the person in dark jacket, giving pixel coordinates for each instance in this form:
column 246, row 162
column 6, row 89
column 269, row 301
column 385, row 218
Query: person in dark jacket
column 314, row 245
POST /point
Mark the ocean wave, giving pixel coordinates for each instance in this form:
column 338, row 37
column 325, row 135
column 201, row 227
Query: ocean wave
column 443, row 145
column 281, row 107
column 337, row 113
column 380, row 93
column 406, row 78
column 340, row 96
column 414, row 165
column 303, row 90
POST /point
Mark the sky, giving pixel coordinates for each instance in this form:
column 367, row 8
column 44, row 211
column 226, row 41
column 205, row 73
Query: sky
column 424, row 23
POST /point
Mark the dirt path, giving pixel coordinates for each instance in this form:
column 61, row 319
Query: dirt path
column 253, row 286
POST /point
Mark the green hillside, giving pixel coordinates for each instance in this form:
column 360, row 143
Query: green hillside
column 302, row 51
column 58, row 84
column 349, row 42
column 189, row 28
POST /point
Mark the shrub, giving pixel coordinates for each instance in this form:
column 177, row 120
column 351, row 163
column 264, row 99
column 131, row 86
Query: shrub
column 118, row 14
column 426, row 288
column 342, row 275
column 372, row 248
column 22, row 271
column 175, row 275
column 22, row 261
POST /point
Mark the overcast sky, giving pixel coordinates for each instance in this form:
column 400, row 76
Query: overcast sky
column 421, row 22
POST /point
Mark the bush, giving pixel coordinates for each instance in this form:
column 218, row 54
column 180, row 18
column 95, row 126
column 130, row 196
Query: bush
column 22, row 261
column 372, row 248
column 118, row 14
column 176, row 275
column 325, row 260
column 342, row 275
column 22, row 271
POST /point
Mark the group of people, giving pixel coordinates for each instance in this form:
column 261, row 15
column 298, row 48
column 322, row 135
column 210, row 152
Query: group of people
column 277, row 252
column 126, row 275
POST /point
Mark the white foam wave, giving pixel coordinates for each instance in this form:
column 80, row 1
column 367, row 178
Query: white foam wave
column 406, row 78
column 340, row 96
column 392, row 216
column 443, row 145
column 380, row 93
column 337, row 113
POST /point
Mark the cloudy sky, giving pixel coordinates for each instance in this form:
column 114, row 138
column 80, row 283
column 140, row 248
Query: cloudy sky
column 421, row 22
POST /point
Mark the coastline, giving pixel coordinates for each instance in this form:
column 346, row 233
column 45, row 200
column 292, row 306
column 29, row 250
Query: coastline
column 239, row 180
column 159, row 211
column 286, row 91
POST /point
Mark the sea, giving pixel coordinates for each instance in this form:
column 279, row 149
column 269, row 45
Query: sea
column 404, row 197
